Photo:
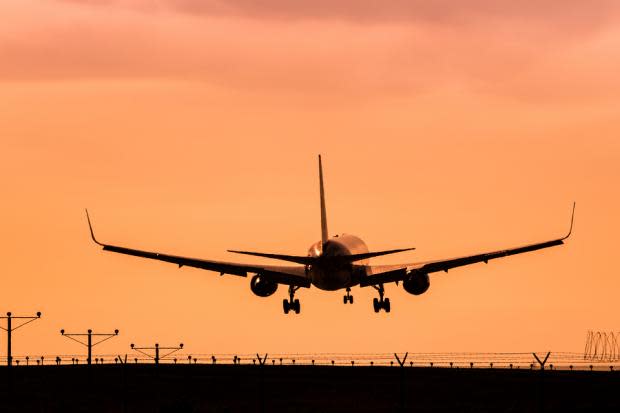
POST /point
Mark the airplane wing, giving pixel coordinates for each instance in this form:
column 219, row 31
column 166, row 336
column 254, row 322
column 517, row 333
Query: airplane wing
column 288, row 275
column 380, row 274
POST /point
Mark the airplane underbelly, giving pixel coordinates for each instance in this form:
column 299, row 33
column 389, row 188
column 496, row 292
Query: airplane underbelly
column 331, row 280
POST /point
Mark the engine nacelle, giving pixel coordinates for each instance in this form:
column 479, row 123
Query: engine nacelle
column 417, row 283
column 262, row 287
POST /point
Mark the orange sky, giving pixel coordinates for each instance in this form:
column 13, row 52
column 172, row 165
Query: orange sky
column 191, row 127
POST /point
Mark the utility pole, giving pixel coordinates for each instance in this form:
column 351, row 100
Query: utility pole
column 89, row 340
column 9, row 329
column 156, row 357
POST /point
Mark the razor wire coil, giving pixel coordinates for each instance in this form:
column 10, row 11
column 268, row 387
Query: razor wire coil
column 602, row 346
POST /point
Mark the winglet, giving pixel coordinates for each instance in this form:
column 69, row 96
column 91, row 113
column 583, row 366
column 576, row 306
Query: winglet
column 572, row 219
column 92, row 234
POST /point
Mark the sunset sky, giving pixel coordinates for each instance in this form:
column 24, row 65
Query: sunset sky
column 192, row 127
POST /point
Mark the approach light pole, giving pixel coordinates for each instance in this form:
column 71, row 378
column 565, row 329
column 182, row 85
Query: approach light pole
column 9, row 329
column 156, row 357
column 89, row 341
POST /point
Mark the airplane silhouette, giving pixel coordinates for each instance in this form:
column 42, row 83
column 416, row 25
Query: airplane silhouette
column 335, row 263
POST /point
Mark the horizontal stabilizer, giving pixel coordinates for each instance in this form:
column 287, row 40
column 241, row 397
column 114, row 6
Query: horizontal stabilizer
column 299, row 259
column 367, row 255
column 305, row 260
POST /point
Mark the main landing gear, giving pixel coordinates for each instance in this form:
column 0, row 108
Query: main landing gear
column 348, row 298
column 292, row 303
column 381, row 303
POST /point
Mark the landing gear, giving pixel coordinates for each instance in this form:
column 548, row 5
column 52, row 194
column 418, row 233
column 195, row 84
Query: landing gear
column 381, row 303
column 348, row 298
column 292, row 303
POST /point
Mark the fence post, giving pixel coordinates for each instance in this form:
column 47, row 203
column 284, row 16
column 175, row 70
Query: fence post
column 542, row 374
column 401, row 363
column 261, row 366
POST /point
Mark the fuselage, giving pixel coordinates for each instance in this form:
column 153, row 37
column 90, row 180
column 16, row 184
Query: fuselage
column 329, row 275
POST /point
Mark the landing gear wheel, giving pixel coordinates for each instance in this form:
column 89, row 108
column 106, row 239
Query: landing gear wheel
column 291, row 303
column 381, row 302
column 375, row 304
column 348, row 298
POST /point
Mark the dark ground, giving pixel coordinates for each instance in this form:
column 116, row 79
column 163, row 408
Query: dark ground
column 237, row 388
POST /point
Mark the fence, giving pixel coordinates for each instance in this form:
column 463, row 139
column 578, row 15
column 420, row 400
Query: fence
column 507, row 360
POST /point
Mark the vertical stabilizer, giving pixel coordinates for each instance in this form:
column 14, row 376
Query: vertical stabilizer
column 324, row 233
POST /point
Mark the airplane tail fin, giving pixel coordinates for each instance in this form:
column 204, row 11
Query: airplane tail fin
column 324, row 233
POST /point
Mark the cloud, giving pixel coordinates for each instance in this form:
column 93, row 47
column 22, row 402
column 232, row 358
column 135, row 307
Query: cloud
column 490, row 47
column 574, row 13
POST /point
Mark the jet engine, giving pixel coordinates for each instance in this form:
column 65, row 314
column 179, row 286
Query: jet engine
column 262, row 287
column 417, row 283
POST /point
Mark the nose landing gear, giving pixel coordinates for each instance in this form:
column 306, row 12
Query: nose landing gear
column 292, row 303
column 381, row 303
column 348, row 298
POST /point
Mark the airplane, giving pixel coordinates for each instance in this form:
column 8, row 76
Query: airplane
column 333, row 263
